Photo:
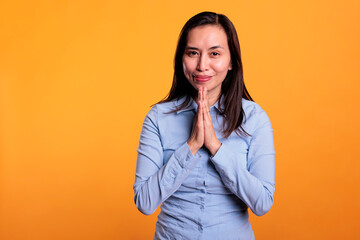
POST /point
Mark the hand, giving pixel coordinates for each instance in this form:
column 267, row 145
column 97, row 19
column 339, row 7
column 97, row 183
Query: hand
column 203, row 132
column 211, row 142
column 196, row 140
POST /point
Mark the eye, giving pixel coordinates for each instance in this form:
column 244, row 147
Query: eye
column 215, row 54
column 192, row 53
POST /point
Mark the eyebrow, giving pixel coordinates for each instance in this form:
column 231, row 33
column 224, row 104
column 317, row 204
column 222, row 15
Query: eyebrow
column 211, row 48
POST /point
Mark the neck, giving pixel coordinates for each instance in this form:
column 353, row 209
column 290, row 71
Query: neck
column 213, row 98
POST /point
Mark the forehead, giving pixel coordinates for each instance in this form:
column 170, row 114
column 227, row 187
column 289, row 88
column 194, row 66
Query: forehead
column 207, row 35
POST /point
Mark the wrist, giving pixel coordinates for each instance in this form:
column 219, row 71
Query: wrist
column 194, row 148
column 214, row 148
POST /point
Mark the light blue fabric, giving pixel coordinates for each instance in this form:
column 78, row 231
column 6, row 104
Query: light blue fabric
column 204, row 196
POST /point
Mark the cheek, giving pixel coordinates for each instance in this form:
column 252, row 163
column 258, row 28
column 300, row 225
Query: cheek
column 188, row 67
column 185, row 68
column 221, row 66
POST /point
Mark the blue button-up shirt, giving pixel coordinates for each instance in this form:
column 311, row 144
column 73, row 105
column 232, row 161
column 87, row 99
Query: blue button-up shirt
column 204, row 196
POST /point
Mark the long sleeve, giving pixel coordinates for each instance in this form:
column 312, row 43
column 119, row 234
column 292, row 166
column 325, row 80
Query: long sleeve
column 253, row 184
column 154, row 180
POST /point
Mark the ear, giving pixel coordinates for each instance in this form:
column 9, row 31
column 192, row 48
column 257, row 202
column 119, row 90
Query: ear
column 230, row 66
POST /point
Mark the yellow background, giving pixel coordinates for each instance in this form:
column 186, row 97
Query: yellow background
column 78, row 77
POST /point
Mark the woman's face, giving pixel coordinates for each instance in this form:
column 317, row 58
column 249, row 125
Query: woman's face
column 207, row 58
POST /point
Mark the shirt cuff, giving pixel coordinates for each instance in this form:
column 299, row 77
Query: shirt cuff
column 185, row 157
column 224, row 157
column 220, row 154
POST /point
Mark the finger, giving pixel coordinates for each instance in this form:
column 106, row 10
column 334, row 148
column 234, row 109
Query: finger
column 206, row 104
column 204, row 94
column 200, row 95
column 201, row 111
column 206, row 116
column 206, row 99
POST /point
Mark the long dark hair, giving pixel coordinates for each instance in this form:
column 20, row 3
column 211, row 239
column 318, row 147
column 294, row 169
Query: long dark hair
column 233, row 87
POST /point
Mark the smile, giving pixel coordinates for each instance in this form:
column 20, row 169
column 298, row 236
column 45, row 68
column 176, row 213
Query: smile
column 202, row 78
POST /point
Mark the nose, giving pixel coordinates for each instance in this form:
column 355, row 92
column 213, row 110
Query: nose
column 203, row 63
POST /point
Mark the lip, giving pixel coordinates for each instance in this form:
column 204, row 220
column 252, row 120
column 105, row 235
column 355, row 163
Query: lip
column 202, row 78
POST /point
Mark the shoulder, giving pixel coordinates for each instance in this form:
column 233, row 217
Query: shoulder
column 255, row 116
column 161, row 109
column 166, row 107
column 251, row 108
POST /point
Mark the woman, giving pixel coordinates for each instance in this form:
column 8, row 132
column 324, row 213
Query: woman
column 206, row 152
